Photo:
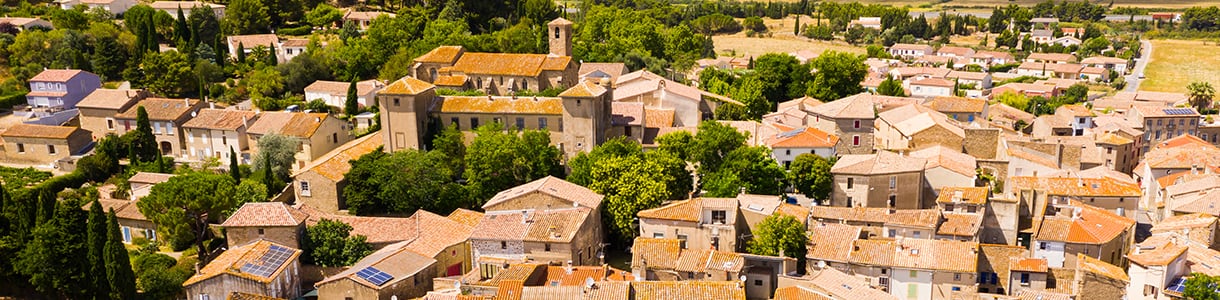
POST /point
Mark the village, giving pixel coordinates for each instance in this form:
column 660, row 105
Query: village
column 1040, row 161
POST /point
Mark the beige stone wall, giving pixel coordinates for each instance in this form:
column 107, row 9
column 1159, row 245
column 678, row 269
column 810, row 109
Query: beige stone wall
column 346, row 289
column 287, row 236
column 403, row 118
column 874, row 191
column 981, row 142
column 324, row 194
column 1092, row 286
column 454, row 254
column 94, row 120
column 38, row 150
column 934, row 136
column 1000, row 222
column 697, row 237
column 943, row 283
column 586, row 122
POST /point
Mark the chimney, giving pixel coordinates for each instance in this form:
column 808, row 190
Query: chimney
column 525, row 217
column 957, row 196
column 212, row 105
column 568, row 267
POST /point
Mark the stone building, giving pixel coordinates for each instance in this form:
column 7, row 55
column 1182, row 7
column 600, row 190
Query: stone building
column 320, row 183
column 502, row 73
column 166, row 117
column 43, row 144
column 885, row 179
column 260, row 268
column 271, row 221
column 97, row 110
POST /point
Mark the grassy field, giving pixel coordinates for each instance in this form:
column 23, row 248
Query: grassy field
column 779, row 39
column 972, row 3
column 1176, row 63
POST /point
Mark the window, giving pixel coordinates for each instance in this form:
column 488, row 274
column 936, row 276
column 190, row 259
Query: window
column 855, row 140
column 541, row 123
column 627, row 131
column 497, row 121
column 557, row 32
column 260, row 231
column 893, row 200
column 758, row 282
column 682, row 241
column 893, row 233
column 169, row 128
column 917, row 233
column 520, row 123
column 850, row 182
column 1024, row 278
column 883, row 271
column 20, row 148
column 304, row 188
column 914, row 274
column 334, row 137
column 503, row 245
column 474, row 123
column 855, row 124
column 1158, row 122
column 150, row 234
column 893, row 181
column 957, row 289
column 457, row 124
column 110, row 124
column 205, row 297
column 848, row 201
column 126, row 234
column 788, row 152
column 719, row 216
column 51, row 149
column 658, row 235
column 1042, row 245
column 395, row 101
column 547, row 247
column 957, row 277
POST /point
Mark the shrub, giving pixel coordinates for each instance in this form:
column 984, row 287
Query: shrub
column 302, row 30
column 754, row 23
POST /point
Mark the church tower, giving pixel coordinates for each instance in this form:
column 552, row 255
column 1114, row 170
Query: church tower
column 559, row 35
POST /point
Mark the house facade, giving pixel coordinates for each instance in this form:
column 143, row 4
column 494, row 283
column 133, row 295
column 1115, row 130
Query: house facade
column 260, row 268
column 217, row 133
column 700, row 223
column 97, row 110
column 166, row 117
column 61, row 89
column 316, row 133
column 320, row 183
column 885, row 179
column 335, row 92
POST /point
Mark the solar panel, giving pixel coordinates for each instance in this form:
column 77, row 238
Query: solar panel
column 1178, row 111
column 266, row 265
column 1178, row 285
column 791, row 133
column 374, row 276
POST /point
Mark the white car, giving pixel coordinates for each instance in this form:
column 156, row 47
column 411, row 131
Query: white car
column 1141, row 75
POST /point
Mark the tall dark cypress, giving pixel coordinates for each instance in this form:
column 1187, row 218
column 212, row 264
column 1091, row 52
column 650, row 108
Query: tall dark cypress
column 234, row 171
column 119, row 275
column 96, row 247
column 352, row 105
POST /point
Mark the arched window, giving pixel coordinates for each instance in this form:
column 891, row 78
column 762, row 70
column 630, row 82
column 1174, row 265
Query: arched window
column 556, row 31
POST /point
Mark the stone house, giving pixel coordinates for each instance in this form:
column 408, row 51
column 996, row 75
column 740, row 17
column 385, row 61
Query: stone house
column 881, row 222
column 828, row 283
column 1052, row 58
column 166, row 117
column 393, row 271
column 787, row 145
column 700, row 223
column 97, row 110
column 1096, row 279
column 320, row 183
column 132, row 224
column 213, row 133
column 544, row 236
column 994, row 265
column 61, row 89
column 503, row 73
column 1118, row 197
column 990, row 58
column 913, row 127
column 247, row 43
column 885, row 179
column 1082, row 229
column 363, row 19
column 1164, row 123
column 910, row 51
column 1198, row 227
column 851, row 119
column 1026, row 273
column 115, row 7
column 43, row 144
column 260, row 268
column 24, row 24
column 946, row 167
column 1109, row 63
column 335, row 92
column 964, row 110
column 316, row 133
column 917, row 268
column 271, row 221
column 665, row 260
column 687, row 104
column 931, row 87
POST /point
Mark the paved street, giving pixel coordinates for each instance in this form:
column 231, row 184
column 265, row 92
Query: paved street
column 1133, row 79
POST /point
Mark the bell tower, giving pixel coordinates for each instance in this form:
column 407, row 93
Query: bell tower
column 559, row 36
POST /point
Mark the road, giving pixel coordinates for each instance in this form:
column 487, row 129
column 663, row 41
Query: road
column 1133, row 79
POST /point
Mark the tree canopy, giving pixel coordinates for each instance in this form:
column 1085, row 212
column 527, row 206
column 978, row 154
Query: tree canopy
column 182, row 206
column 331, row 244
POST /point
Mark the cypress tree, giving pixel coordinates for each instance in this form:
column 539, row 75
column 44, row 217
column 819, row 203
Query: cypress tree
column 796, row 30
column 147, row 143
column 273, row 58
column 96, row 246
column 352, row 106
column 220, row 54
column 241, row 52
column 180, row 27
column 132, row 158
column 152, row 36
column 161, row 168
column 119, row 275
column 46, row 205
column 233, row 170
column 269, row 178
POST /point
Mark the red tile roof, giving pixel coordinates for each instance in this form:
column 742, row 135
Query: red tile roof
column 40, row 131
column 1092, row 226
column 231, row 261
column 265, row 214
column 294, row 124
column 336, row 163
column 552, row 186
column 221, row 119
column 1035, row 265
column 54, row 75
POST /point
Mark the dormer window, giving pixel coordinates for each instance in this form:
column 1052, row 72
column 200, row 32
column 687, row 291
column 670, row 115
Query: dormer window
column 719, row 217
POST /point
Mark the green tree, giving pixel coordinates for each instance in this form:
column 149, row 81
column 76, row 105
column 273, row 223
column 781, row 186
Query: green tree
column 351, row 107
column 324, row 16
column 98, row 237
column 183, row 206
column 838, row 75
column 142, row 141
column 891, row 87
column 330, row 244
column 810, row 174
column 1201, row 94
column 749, row 169
column 712, row 144
column 55, row 259
column 497, row 160
column 779, row 233
column 118, row 266
column 677, row 143
column 402, row 182
column 246, row 17
column 630, row 184
column 234, row 170
column 109, row 58
column 276, row 151
column 169, row 73
column 450, row 142
column 249, row 191
column 1201, row 287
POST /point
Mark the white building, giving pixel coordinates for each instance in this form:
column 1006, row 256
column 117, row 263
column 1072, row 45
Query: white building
column 335, row 92
column 932, row 87
column 113, row 6
column 787, row 145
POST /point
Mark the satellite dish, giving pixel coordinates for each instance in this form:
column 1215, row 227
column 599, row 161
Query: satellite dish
column 743, row 278
column 589, row 282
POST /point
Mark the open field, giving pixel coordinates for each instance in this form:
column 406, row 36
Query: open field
column 972, row 3
column 1176, row 63
column 740, row 45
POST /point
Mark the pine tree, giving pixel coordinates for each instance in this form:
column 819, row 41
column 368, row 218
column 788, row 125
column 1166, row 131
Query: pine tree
column 234, row 171
column 351, row 106
column 97, row 245
column 118, row 266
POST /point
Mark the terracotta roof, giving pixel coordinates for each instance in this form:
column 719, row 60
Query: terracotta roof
column 655, row 253
column 613, row 69
column 294, row 124
column 1176, row 223
column 451, row 80
column 993, row 54
column 56, row 75
column 502, row 225
column 506, row 64
column 956, row 104
column 335, row 164
column 599, row 291
column 688, row 290
column 160, row 109
column 1103, row 60
column 1032, row 294
column 960, row 224
column 1160, row 256
column 1088, row 264
column 466, row 217
column 253, row 40
column 910, row 47
column 442, row 55
column 933, row 82
column 553, row 186
column 384, row 230
column 1054, row 57
column 556, row 63
column 943, row 255
column 364, row 15
column 556, row 225
column 39, row 131
column 831, row 241
column 852, row 107
column 584, row 89
column 882, row 162
column 150, row 177
column 803, row 137
column 932, row 72
column 997, row 258
column 221, row 119
column 559, row 21
column 500, row 104
column 396, row 260
column 949, row 159
column 245, row 296
column 1202, row 259
column 110, row 98
column 797, row 292
column 971, row 195
column 576, row 275
column 706, row 260
column 1067, row 68
column 655, row 117
column 265, row 214
column 18, row 20
column 1093, row 226
column 339, row 88
column 1075, row 110
column 926, row 218
column 407, row 86
column 687, row 210
column 231, row 261
column 958, row 51
column 1078, row 187
column 1027, row 264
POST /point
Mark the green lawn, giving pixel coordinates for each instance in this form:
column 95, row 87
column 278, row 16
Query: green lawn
column 1177, row 63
